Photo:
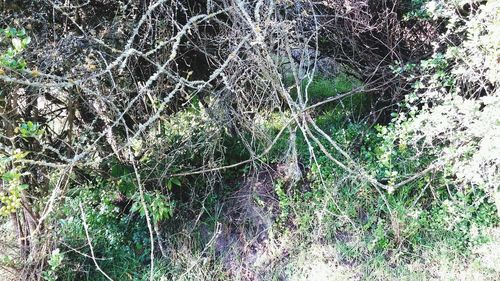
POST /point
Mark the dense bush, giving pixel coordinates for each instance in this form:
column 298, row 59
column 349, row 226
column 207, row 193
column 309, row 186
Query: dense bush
column 229, row 140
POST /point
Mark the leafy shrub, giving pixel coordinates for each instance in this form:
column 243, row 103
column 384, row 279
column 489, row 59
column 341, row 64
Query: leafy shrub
column 453, row 111
column 119, row 237
column 12, row 43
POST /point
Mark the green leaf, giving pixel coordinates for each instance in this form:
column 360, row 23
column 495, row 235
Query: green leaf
column 26, row 41
column 18, row 45
column 176, row 181
column 126, row 186
column 21, row 32
column 119, row 170
column 11, row 32
column 10, row 176
column 21, row 155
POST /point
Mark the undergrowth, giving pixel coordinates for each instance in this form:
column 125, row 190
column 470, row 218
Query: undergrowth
column 370, row 234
